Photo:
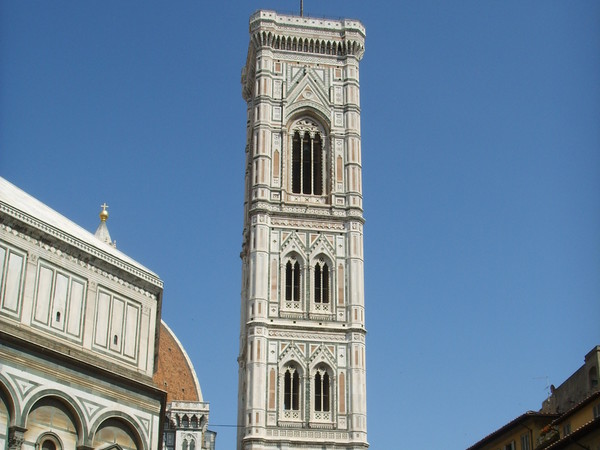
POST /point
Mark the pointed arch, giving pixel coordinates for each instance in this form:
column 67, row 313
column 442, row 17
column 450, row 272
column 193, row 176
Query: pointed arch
column 291, row 388
column 307, row 156
column 323, row 392
column 322, row 283
column 292, row 281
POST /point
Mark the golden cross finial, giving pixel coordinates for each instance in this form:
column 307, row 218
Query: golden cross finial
column 104, row 212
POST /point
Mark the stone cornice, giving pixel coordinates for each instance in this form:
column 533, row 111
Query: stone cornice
column 302, row 211
column 71, row 241
column 324, row 37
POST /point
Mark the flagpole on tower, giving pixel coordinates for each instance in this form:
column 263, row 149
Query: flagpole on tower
column 301, row 8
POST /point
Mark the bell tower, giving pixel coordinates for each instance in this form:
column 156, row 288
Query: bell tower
column 302, row 336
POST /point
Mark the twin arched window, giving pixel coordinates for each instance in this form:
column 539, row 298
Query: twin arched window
column 292, row 281
column 321, row 282
column 322, row 391
column 188, row 444
column 291, row 389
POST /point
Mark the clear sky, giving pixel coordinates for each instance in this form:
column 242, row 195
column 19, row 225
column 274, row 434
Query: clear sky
column 481, row 159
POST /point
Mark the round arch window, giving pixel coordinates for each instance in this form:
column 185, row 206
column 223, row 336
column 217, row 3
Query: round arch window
column 49, row 442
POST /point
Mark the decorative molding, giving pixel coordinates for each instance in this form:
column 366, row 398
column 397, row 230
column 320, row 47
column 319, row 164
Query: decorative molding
column 75, row 260
column 325, row 211
column 90, row 407
column 311, row 224
column 307, row 336
column 73, row 241
column 24, row 386
column 145, row 423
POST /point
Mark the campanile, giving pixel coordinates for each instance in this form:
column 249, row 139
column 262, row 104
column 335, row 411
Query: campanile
column 302, row 335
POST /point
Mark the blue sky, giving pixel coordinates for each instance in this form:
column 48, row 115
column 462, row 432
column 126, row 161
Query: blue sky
column 481, row 159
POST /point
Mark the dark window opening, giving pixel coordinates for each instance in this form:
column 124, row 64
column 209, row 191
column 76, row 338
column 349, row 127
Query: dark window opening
column 307, row 164
column 292, row 281
column 296, row 164
column 48, row 445
column 321, row 284
column 291, row 400
column 322, row 392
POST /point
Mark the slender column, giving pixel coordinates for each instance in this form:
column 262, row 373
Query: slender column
column 312, row 164
column 302, row 164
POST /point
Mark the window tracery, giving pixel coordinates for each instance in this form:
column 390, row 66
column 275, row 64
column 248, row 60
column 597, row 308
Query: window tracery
column 307, row 158
column 321, row 283
column 291, row 392
column 322, row 394
column 292, row 281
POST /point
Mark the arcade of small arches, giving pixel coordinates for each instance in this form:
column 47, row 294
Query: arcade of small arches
column 185, row 421
column 52, row 421
column 308, row 45
column 190, row 427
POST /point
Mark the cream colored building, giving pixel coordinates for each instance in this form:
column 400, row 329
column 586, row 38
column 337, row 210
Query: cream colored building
column 569, row 418
column 302, row 342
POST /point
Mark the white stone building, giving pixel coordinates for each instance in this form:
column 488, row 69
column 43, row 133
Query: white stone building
column 79, row 341
column 302, row 340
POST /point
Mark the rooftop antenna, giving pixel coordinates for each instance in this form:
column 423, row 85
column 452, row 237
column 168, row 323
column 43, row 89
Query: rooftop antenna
column 301, row 8
column 548, row 387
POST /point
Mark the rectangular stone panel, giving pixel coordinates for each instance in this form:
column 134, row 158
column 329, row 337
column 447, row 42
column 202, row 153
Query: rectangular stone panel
column 43, row 295
column 75, row 308
column 131, row 331
column 12, row 280
column 102, row 315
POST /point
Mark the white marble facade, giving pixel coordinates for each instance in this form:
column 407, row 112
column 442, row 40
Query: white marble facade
column 78, row 335
column 302, row 344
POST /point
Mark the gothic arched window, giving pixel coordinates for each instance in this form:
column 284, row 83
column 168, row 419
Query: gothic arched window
column 292, row 281
column 307, row 163
column 291, row 390
column 321, row 283
column 322, row 391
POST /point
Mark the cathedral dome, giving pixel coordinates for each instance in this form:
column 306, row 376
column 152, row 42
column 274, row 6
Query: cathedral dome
column 175, row 373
